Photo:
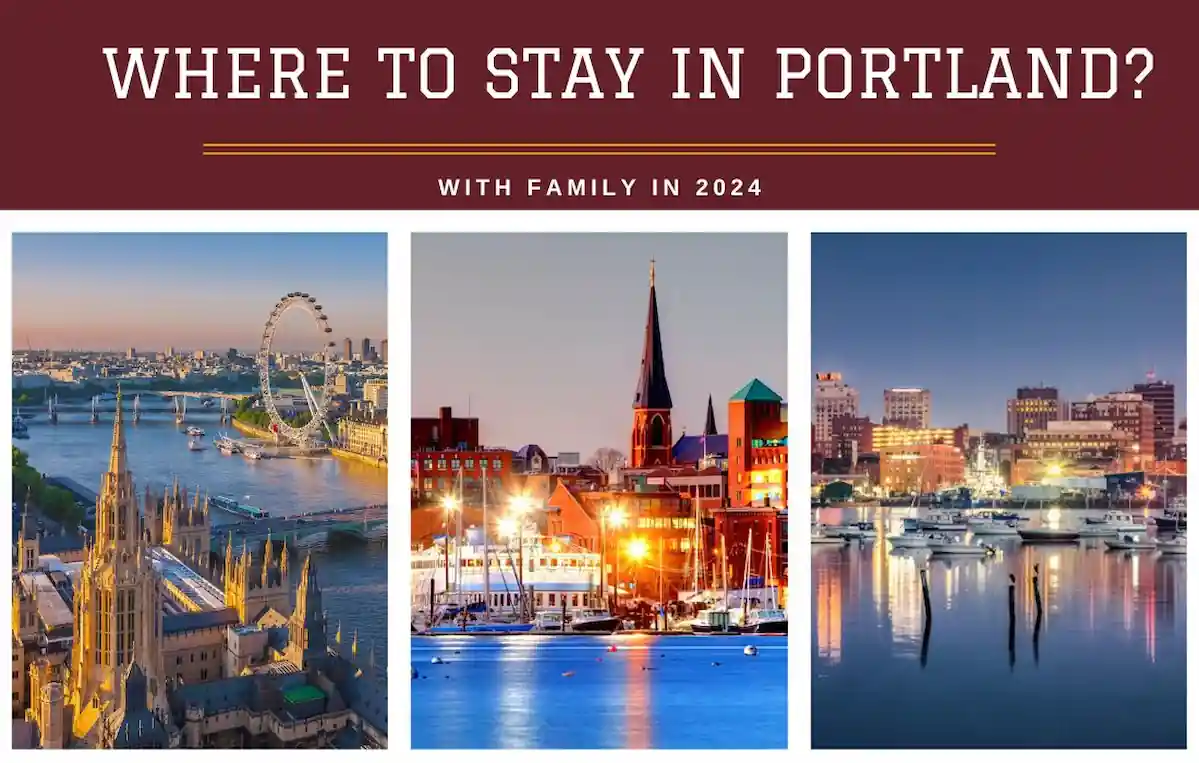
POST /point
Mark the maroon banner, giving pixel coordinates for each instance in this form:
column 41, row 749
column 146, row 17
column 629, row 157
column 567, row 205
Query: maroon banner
column 1092, row 141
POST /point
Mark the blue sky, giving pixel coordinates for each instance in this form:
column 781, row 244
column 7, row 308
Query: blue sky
column 195, row 291
column 973, row 316
column 541, row 334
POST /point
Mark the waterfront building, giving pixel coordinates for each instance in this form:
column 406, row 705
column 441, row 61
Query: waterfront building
column 651, row 437
column 757, row 447
column 1066, row 449
column 920, row 467
column 1159, row 394
column 886, row 437
column 1034, row 408
column 744, row 532
column 1128, row 412
column 374, row 392
column 852, row 436
column 365, row 434
column 444, row 432
column 832, row 398
column 134, row 647
column 438, row 473
column 908, row 407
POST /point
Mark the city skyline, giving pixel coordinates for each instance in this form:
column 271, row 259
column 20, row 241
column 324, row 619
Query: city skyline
column 542, row 342
column 208, row 291
column 972, row 317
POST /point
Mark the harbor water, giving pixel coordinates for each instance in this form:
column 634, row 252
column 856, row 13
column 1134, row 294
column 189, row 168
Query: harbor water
column 353, row 578
column 1105, row 669
column 554, row 692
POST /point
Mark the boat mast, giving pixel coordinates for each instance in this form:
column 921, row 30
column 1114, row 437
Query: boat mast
column 769, row 574
column 458, row 541
column 695, row 558
column 749, row 551
column 724, row 571
column 486, row 568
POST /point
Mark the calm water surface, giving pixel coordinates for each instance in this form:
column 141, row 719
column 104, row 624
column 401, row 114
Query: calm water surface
column 654, row 692
column 353, row 580
column 1108, row 668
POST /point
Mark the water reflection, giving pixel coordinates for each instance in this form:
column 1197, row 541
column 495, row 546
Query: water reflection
column 988, row 648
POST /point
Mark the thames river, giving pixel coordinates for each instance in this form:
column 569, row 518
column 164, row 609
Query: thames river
column 1107, row 667
column 353, row 580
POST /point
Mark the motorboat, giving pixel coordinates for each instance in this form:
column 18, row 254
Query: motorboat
column 194, row 432
column 1174, row 519
column 1049, row 534
column 911, row 524
column 1120, row 521
column 855, row 531
column 766, row 621
column 821, row 535
column 719, row 620
column 944, row 521
column 1097, row 531
column 549, row 622
column 1175, row 545
column 194, row 445
column 594, row 621
column 910, row 540
column 994, row 527
column 995, row 515
column 953, row 545
column 1130, row 542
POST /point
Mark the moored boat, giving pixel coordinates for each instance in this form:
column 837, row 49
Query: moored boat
column 1131, row 542
column 1174, row 519
column 821, row 535
column 1175, row 545
column 956, row 546
column 594, row 621
column 766, row 621
column 718, row 620
column 994, row 527
column 909, row 540
column 1120, row 521
column 944, row 521
column 855, row 531
column 1049, row 534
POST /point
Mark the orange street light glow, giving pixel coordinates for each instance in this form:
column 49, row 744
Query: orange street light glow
column 636, row 549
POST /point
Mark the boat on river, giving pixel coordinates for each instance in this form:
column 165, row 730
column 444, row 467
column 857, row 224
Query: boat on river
column 1049, row 534
column 943, row 521
column 1175, row 545
column 1174, row 519
column 1131, row 542
column 766, row 621
column 1120, row 522
column 593, row 621
column 910, row 540
column 995, row 527
column 232, row 506
column 952, row 545
column 855, row 531
column 822, row 536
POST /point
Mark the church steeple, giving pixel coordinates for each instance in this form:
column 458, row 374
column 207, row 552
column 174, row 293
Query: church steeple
column 651, row 402
column 710, row 423
column 117, row 457
column 307, row 634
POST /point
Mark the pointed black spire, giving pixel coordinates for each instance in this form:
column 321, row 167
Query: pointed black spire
column 652, row 390
column 710, row 423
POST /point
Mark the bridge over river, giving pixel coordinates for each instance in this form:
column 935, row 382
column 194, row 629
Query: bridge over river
column 313, row 530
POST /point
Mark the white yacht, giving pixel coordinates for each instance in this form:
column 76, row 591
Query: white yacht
column 1119, row 521
column 822, row 536
column 910, row 540
column 954, row 545
column 1175, row 545
column 594, row 621
column 994, row 527
column 1130, row 542
column 855, row 531
column 944, row 521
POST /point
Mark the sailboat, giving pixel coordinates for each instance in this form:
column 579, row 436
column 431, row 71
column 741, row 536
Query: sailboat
column 771, row 618
column 718, row 619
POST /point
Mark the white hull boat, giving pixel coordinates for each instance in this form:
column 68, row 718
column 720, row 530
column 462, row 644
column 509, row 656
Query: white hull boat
column 1131, row 543
column 855, row 531
column 943, row 522
column 1120, row 522
column 1175, row 545
column 1097, row 531
column 992, row 527
column 909, row 540
column 822, row 536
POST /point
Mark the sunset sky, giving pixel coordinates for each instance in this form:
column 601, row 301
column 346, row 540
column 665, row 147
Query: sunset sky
column 540, row 335
column 192, row 291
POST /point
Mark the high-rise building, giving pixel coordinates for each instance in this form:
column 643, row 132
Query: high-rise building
column 833, row 398
column 908, row 407
column 1128, row 412
column 347, row 354
column 374, row 392
column 383, row 351
column 1159, row 394
column 1034, row 408
column 651, row 437
column 130, row 354
column 366, row 350
column 169, row 352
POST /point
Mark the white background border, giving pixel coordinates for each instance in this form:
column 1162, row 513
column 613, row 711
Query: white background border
column 799, row 226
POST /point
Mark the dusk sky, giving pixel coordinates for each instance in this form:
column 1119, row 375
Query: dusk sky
column 974, row 316
column 193, row 291
column 541, row 334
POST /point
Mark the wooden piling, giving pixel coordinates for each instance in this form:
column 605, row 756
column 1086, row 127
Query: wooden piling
column 928, row 607
column 1036, row 586
column 1011, row 621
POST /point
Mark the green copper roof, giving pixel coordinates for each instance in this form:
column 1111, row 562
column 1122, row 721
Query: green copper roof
column 299, row 694
column 756, row 392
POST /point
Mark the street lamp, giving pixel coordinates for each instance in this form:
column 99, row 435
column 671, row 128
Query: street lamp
column 520, row 505
column 616, row 517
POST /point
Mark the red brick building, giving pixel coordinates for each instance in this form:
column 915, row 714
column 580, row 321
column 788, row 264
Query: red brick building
column 757, row 447
column 444, row 432
column 852, row 436
column 739, row 527
column 435, row 474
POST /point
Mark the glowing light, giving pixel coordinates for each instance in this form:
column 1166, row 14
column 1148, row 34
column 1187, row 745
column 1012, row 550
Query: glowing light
column 636, row 549
column 507, row 527
column 520, row 504
column 616, row 516
column 449, row 503
column 1054, row 470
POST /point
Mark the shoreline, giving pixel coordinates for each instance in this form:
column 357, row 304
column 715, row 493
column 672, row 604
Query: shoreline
column 350, row 455
column 252, row 430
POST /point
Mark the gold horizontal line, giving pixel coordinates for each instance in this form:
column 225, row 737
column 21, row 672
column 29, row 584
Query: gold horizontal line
column 602, row 145
column 599, row 153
